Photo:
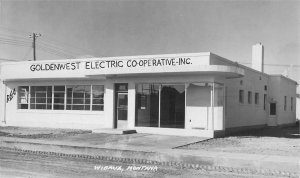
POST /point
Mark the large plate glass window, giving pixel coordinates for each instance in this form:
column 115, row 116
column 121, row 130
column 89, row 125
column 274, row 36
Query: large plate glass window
column 59, row 98
column 97, row 97
column 78, row 97
column 147, row 105
column 160, row 105
column 41, row 97
column 172, row 106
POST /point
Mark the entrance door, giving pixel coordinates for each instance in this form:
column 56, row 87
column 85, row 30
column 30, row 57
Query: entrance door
column 272, row 120
column 122, row 102
column 121, row 91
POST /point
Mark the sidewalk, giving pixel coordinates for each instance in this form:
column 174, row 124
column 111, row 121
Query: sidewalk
column 147, row 148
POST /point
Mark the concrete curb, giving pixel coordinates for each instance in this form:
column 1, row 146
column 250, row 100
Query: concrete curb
column 236, row 165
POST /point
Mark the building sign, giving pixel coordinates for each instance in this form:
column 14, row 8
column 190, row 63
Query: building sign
column 11, row 95
column 108, row 64
column 82, row 68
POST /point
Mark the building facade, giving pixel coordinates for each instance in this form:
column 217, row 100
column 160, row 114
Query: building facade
column 192, row 94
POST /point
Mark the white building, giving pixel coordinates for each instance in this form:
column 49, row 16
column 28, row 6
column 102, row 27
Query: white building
column 199, row 94
column 298, row 107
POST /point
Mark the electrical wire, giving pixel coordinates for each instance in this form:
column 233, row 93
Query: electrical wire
column 26, row 54
column 45, row 47
column 57, row 53
column 46, row 40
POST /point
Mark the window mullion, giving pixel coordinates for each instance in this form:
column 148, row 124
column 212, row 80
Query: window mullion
column 29, row 97
column 52, row 88
column 72, row 99
column 91, row 98
column 65, row 98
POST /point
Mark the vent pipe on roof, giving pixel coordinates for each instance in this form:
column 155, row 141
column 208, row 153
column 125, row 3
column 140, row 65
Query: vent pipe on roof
column 258, row 57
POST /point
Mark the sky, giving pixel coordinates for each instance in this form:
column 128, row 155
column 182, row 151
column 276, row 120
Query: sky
column 229, row 28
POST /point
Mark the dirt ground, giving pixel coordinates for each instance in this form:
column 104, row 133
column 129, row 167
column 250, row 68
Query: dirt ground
column 18, row 164
column 268, row 141
column 33, row 132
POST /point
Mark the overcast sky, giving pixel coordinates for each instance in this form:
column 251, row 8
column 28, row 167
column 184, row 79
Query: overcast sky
column 80, row 28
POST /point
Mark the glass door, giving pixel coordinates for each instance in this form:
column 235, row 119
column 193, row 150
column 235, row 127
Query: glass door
column 122, row 104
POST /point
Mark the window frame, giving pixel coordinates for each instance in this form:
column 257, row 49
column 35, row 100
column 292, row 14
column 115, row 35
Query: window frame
column 249, row 97
column 285, row 103
column 92, row 98
column 292, row 103
column 37, row 92
column 273, row 105
column 241, row 96
column 256, row 98
column 102, row 98
column 19, row 98
column 73, row 97
column 265, row 101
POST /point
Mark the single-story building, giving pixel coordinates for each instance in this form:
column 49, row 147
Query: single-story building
column 195, row 94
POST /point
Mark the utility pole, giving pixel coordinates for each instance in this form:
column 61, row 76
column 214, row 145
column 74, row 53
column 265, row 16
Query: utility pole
column 34, row 37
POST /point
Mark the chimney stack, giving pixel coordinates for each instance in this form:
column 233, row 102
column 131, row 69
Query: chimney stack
column 258, row 57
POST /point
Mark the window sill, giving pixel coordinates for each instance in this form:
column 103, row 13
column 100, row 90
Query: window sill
column 60, row 112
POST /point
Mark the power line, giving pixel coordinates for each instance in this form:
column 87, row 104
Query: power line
column 10, row 30
column 13, row 40
column 26, row 54
column 55, row 52
column 56, row 48
column 12, row 36
column 46, row 40
column 14, row 43
column 2, row 59
column 26, row 44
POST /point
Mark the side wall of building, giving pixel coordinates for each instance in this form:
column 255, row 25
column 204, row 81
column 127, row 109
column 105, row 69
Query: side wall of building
column 281, row 92
column 241, row 114
column 2, row 100
column 298, row 108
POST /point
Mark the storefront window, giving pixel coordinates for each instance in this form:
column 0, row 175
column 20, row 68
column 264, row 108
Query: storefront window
column 59, row 98
column 78, row 97
column 170, row 98
column 147, row 105
column 23, row 93
column 172, row 104
column 41, row 97
column 98, row 97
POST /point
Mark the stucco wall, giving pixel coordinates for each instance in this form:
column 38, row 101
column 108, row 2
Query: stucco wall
column 85, row 119
column 53, row 118
column 243, row 114
column 198, row 106
column 279, row 88
column 298, row 109
column 2, row 100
